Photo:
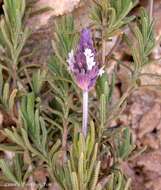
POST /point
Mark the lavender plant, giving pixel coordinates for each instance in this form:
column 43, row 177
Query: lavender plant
column 51, row 134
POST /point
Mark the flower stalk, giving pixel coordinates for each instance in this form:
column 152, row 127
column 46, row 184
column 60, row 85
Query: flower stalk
column 85, row 113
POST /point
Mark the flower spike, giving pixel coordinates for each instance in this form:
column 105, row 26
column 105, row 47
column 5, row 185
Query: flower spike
column 83, row 63
column 85, row 68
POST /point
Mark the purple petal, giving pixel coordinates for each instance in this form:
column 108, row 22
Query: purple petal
column 86, row 40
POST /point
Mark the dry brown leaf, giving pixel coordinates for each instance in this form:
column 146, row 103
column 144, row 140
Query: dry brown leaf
column 151, row 161
column 150, row 120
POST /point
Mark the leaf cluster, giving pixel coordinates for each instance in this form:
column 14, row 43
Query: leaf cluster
column 143, row 34
column 112, row 15
column 13, row 32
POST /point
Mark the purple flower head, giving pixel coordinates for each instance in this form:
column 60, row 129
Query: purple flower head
column 83, row 63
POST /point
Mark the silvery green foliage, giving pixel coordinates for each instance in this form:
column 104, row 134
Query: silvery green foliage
column 13, row 36
column 47, row 111
column 112, row 15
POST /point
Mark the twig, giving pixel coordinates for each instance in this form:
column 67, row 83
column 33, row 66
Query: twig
column 103, row 40
column 151, row 75
column 150, row 85
column 118, row 40
column 116, row 108
column 28, row 77
column 14, row 76
column 122, row 64
column 64, row 140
